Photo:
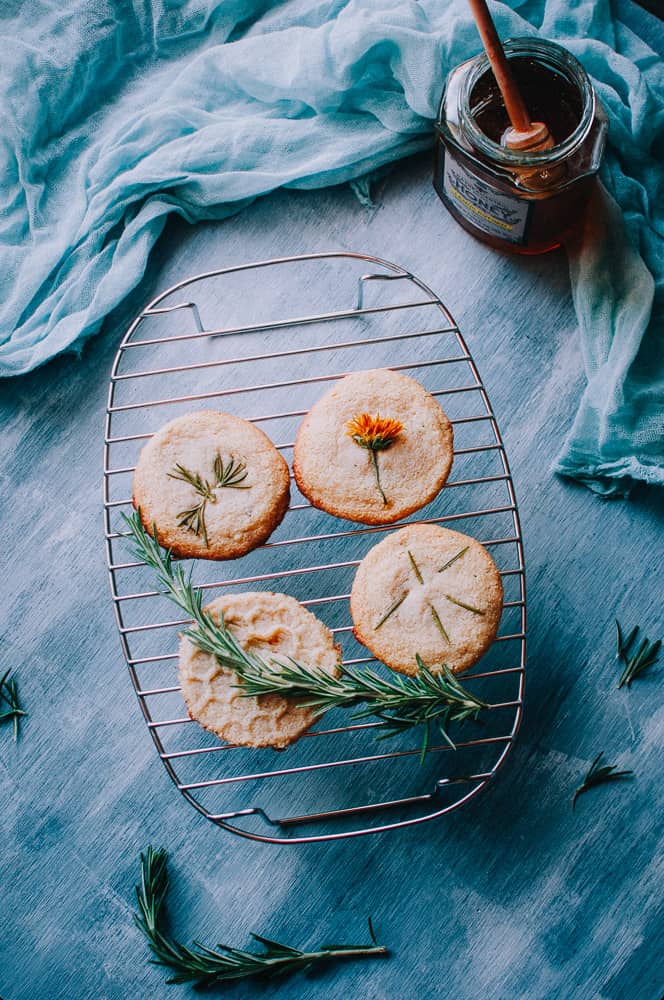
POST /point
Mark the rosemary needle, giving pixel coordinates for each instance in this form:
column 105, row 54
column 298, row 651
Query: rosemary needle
column 462, row 604
column 400, row 702
column 416, row 568
column 441, row 627
column 597, row 775
column 391, row 610
column 204, row 966
column 453, row 560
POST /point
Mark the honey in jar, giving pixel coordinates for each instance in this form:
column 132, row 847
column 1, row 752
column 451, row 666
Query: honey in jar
column 523, row 201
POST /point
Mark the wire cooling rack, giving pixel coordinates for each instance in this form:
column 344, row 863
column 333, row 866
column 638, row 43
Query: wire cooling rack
column 264, row 341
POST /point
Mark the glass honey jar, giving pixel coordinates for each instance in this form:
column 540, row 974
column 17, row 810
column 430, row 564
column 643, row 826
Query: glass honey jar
column 520, row 201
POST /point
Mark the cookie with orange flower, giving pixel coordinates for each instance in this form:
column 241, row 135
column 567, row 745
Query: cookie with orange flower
column 376, row 447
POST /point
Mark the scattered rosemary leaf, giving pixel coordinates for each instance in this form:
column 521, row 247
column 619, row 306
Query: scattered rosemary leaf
column 206, row 966
column 597, row 775
column 416, row 568
column 391, row 610
column 635, row 658
column 9, row 696
column 453, row 559
column 461, row 604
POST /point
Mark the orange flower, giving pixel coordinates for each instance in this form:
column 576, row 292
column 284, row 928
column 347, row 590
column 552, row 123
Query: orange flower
column 374, row 433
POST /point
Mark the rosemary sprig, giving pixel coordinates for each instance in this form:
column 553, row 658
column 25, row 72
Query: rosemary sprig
column 635, row 658
column 205, row 966
column 200, row 485
column 399, row 701
column 193, row 518
column 9, row 695
column 232, row 476
column 597, row 775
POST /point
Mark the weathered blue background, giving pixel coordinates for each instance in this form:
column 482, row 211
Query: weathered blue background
column 512, row 896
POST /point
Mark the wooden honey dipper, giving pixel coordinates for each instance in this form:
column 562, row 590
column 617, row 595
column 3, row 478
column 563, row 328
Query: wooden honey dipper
column 523, row 134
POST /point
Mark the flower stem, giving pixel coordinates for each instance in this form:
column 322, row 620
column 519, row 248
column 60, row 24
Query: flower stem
column 374, row 460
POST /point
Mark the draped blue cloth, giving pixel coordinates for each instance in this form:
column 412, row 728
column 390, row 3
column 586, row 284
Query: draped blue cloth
column 119, row 112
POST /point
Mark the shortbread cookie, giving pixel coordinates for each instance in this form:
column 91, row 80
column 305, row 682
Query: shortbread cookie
column 376, row 447
column 213, row 485
column 427, row 590
column 275, row 627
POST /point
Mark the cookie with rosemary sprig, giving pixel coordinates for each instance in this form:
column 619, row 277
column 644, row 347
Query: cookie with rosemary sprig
column 429, row 590
column 276, row 628
column 213, row 485
column 376, row 447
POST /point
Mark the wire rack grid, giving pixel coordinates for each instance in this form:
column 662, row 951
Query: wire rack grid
column 337, row 781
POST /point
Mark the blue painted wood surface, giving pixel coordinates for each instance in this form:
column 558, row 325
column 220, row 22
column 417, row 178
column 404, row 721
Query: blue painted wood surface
column 512, row 896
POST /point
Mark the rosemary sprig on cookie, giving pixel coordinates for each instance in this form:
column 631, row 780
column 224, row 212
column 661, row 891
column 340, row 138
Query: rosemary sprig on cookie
column 10, row 708
column 231, row 476
column 399, row 702
column 375, row 434
column 204, row 966
column 635, row 656
column 599, row 775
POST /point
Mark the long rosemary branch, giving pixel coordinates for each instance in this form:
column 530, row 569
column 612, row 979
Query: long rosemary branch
column 222, row 964
column 399, row 702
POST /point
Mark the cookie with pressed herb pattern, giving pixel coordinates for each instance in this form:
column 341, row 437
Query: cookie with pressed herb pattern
column 275, row 627
column 427, row 590
column 212, row 484
column 375, row 448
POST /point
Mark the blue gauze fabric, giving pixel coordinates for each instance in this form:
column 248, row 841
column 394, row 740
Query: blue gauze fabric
column 117, row 113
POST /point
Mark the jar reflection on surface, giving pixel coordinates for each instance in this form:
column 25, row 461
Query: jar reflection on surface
column 522, row 202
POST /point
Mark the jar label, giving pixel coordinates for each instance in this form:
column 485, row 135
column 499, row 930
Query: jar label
column 485, row 208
